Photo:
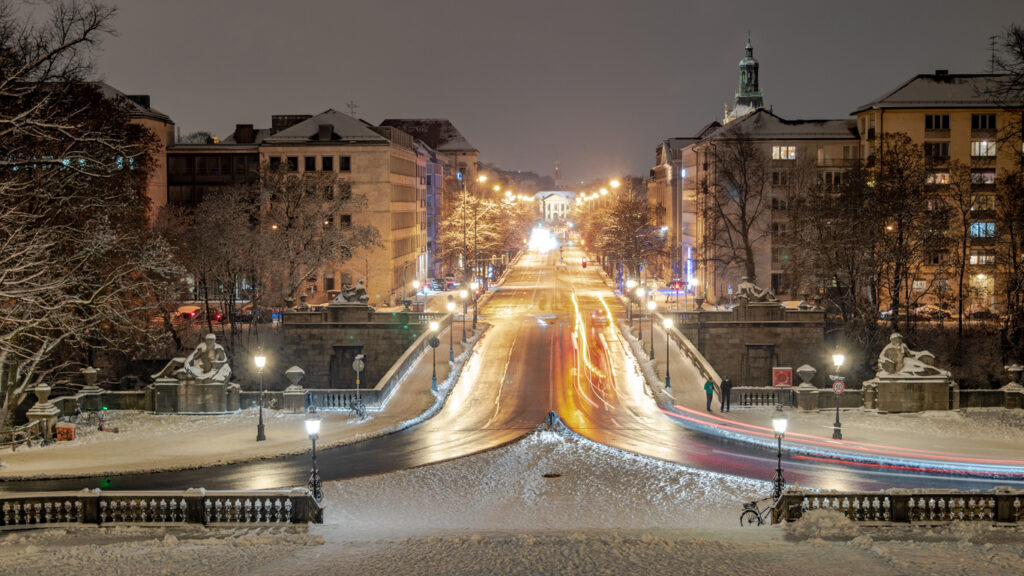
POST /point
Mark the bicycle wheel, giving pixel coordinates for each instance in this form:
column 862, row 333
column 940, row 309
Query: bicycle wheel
column 749, row 518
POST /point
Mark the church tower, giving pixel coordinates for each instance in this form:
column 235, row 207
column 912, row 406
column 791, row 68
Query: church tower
column 749, row 97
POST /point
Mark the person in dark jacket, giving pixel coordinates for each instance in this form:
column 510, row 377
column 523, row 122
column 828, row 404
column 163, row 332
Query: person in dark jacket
column 709, row 389
column 726, row 390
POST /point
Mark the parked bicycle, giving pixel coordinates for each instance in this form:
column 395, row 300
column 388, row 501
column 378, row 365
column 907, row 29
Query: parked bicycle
column 358, row 408
column 753, row 513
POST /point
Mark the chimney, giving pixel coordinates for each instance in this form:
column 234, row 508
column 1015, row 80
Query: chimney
column 325, row 132
column 244, row 134
column 942, row 72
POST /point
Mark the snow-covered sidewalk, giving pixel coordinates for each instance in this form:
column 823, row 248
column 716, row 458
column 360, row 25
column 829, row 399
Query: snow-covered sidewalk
column 552, row 503
column 149, row 442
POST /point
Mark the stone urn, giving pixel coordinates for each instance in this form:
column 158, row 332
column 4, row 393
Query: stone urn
column 806, row 374
column 89, row 374
column 294, row 395
column 294, row 375
column 42, row 392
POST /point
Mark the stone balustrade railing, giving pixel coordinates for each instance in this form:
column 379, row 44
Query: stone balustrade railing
column 193, row 506
column 922, row 507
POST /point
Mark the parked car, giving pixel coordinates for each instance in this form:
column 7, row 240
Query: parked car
column 932, row 312
column 982, row 313
column 436, row 284
column 599, row 317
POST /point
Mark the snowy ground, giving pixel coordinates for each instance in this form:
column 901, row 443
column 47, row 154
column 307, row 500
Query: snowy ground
column 608, row 512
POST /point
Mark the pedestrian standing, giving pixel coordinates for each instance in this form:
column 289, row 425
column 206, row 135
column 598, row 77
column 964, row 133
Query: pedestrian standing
column 709, row 389
column 726, row 393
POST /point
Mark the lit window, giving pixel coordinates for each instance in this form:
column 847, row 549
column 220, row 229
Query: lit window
column 983, row 148
column 938, row 178
column 983, row 229
column 983, row 177
column 981, row 257
column 783, row 152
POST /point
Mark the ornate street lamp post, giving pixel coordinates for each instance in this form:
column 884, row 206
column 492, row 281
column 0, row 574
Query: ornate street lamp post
column 640, row 292
column 630, row 285
column 779, row 423
column 651, row 305
column 463, row 295
column 837, row 386
column 667, row 322
column 434, row 342
column 313, row 430
column 451, row 347
column 260, row 361
column 474, row 286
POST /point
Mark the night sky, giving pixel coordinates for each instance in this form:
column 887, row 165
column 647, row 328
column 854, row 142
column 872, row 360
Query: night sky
column 593, row 84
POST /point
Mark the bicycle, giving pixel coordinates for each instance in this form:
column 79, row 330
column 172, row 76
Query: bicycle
column 754, row 513
column 358, row 408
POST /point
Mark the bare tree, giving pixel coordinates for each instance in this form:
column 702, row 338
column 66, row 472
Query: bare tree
column 959, row 196
column 740, row 202
column 625, row 232
column 1009, row 256
column 78, row 266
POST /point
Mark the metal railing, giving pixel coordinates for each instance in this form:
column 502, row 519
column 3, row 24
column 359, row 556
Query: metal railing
column 193, row 506
column 921, row 507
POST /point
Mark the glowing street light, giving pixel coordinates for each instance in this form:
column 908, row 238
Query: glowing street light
column 313, row 431
column 779, row 423
column 260, row 360
column 614, row 183
column 837, row 386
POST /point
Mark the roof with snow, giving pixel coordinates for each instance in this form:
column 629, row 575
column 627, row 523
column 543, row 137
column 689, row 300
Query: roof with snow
column 138, row 105
column 438, row 133
column 344, row 129
column 941, row 90
column 763, row 125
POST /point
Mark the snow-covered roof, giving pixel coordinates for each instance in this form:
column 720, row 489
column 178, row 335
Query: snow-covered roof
column 345, row 129
column 763, row 125
column 941, row 91
column 438, row 133
column 137, row 108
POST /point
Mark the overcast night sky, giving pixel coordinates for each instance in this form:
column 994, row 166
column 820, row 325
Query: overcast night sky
column 594, row 84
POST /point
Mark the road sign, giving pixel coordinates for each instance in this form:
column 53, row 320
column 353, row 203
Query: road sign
column 838, row 384
column 782, row 377
column 358, row 364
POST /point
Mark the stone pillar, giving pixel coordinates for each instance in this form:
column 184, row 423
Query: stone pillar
column 90, row 398
column 294, row 395
column 165, row 395
column 1013, row 391
column 870, row 391
column 806, row 393
column 44, row 412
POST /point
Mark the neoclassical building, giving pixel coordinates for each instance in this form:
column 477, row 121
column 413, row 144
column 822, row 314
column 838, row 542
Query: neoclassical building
column 555, row 206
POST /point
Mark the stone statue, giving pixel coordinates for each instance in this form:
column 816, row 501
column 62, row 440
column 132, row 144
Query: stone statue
column 754, row 293
column 207, row 363
column 896, row 359
column 355, row 293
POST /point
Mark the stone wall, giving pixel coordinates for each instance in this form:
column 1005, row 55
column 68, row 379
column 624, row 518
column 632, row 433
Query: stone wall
column 324, row 343
column 746, row 342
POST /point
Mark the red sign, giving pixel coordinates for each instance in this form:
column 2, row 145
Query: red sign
column 782, row 377
column 838, row 385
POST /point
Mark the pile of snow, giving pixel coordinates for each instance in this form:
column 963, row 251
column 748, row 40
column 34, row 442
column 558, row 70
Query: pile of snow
column 823, row 524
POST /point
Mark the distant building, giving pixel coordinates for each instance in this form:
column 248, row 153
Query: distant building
column 140, row 112
column 953, row 117
column 555, row 206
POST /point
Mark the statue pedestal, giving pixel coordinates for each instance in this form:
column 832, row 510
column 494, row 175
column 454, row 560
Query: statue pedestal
column 165, row 398
column 907, row 394
column 47, row 414
column 1014, row 396
column 294, row 399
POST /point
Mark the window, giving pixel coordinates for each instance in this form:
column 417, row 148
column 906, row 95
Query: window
column 936, row 150
column 980, row 257
column 936, row 122
column 983, row 229
column 783, row 152
column 780, row 178
column 982, row 177
column 941, row 178
column 179, row 165
column 327, row 163
column 328, row 192
column 849, row 152
column 778, row 228
column 983, row 121
column 293, row 163
column 329, row 221
column 275, row 163
column 983, row 149
column 328, row 281
column 982, row 202
column 240, row 165
column 345, row 220
column 345, row 163
column 936, row 257
column 310, row 163
column 830, row 179
column 821, row 155
column 919, row 286
column 778, row 204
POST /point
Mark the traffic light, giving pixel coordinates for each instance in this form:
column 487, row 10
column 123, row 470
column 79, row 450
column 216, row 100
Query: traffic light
column 677, row 285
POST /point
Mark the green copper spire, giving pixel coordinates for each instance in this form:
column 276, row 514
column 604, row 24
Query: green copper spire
column 749, row 94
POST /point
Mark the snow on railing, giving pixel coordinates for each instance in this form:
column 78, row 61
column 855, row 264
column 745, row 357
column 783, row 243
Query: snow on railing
column 1001, row 505
column 193, row 506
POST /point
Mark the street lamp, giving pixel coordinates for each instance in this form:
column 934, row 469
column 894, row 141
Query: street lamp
column 651, row 305
column 667, row 322
column 434, row 342
column 313, row 431
column 837, row 387
column 474, row 286
column 630, row 285
column 640, row 293
column 463, row 295
column 451, row 349
column 779, row 423
column 260, row 361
